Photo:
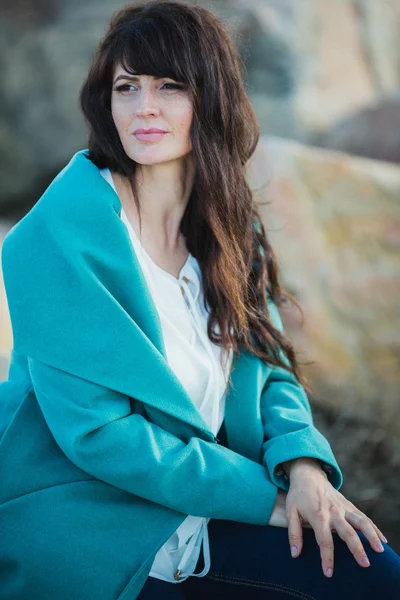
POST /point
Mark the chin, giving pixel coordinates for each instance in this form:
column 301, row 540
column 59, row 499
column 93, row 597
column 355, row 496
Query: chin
column 156, row 160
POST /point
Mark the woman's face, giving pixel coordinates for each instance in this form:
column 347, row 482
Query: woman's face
column 144, row 102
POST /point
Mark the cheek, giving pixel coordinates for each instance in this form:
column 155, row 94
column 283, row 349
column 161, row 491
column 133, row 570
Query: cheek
column 120, row 115
column 185, row 119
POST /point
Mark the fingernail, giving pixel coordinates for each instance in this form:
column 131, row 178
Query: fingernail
column 294, row 550
column 365, row 561
column 329, row 572
column 385, row 540
column 379, row 546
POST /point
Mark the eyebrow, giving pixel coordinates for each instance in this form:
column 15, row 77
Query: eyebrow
column 135, row 78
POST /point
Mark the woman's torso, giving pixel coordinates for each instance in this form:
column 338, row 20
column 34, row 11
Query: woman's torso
column 195, row 360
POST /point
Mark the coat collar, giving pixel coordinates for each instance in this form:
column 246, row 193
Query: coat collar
column 84, row 306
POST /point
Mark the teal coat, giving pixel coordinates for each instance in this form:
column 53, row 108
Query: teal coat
column 102, row 452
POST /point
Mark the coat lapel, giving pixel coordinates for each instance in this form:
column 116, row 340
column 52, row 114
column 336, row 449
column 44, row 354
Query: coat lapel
column 74, row 263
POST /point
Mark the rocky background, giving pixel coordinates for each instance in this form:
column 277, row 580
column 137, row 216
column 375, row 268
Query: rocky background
column 324, row 79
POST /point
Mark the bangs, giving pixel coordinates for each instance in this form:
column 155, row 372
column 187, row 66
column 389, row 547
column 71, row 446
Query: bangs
column 154, row 47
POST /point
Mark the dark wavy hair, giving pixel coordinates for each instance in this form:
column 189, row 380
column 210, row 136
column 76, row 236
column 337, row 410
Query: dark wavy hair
column 221, row 224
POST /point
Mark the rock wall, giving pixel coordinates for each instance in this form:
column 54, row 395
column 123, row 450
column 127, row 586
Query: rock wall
column 334, row 221
column 371, row 132
column 309, row 64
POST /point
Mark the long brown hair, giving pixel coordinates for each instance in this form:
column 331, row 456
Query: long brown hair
column 221, row 224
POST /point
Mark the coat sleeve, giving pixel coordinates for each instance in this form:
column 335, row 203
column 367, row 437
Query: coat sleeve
column 96, row 429
column 289, row 430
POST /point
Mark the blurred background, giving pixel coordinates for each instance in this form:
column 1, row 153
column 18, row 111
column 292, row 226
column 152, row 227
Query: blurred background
column 324, row 79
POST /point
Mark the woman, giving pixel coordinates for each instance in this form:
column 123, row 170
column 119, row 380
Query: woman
column 143, row 297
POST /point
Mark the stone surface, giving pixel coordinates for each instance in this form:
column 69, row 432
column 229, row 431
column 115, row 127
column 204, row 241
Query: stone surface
column 334, row 221
column 372, row 132
column 335, row 76
column 308, row 65
column 379, row 35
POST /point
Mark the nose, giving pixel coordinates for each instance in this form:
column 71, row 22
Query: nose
column 146, row 103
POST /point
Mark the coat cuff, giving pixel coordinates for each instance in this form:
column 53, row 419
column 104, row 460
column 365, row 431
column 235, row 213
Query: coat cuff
column 308, row 442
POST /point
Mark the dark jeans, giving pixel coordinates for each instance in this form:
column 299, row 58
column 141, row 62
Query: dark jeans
column 253, row 562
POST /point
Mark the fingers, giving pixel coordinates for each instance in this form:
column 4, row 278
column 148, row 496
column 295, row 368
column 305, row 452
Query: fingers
column 338, row 515
column 350, row 536
column 295, row 531
column 356, row 511
column 378, row 531
column 323, row 535
column 369, row 529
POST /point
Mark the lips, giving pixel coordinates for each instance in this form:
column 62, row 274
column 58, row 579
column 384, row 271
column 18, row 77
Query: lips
column 149, row 135
column 151, row 130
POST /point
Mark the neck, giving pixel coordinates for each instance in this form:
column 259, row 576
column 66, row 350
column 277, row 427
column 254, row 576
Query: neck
column 163, row 190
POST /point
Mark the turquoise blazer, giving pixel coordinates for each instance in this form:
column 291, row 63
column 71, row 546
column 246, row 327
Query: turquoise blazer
column 102, row 452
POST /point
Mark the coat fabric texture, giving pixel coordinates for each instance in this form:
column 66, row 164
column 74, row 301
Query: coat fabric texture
column 102, row 452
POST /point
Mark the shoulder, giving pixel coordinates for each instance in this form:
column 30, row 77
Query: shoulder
column 77, row 200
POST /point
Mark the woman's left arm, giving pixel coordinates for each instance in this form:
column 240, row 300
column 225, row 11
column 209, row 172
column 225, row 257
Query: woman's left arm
column 299, row 460
column 290, row 432
column 288, row 424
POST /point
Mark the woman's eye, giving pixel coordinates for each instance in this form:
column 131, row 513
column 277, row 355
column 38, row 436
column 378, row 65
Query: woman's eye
column 123, row 88
column 175, row 86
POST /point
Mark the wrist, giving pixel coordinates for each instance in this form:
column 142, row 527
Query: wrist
column 301, row 465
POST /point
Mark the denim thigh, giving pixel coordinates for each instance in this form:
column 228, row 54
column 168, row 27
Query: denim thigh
column 253, row 562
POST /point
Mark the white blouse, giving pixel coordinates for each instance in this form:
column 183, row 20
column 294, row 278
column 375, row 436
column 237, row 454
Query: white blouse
column 202, row 369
